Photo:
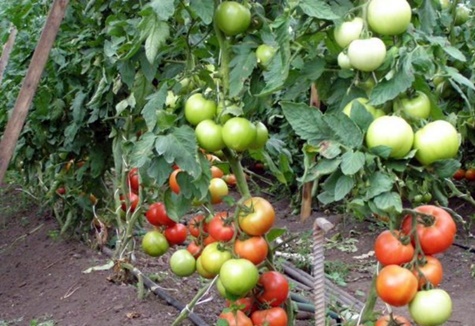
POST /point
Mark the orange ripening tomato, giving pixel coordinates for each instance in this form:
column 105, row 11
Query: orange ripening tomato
column 216, row 172
column 275, row 316
column 236, row 318
column 396, row 285
column 430, row 272
column 257, row 217
column 396, row 320
column 254, row 249
column 470, row 174
column 173, row 183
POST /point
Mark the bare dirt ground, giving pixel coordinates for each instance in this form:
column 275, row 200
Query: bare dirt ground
column 43, row 281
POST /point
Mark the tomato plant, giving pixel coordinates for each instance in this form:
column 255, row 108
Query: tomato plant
column 182, row 263
column 221, row 227
column 393, row 132
column 431, row 307
column 435, row 229
column 176, row 234
column 154, row 243
column 238, row 276
column 275, row 316
column 274, row 288
column 396, row 285
column 392, row 249
column 254, row 249
column 257, row 216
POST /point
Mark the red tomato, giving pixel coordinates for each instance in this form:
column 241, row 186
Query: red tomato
column 391, row 320
column 197, row 225
column 176, row 234
column 275, row 316
column 133, row 178
column 133, row 200
column 236, row 318
column 390, row 248
column 396, row 285
column 254, row 249
column 157, row 215
column 275, row 288
column 470, row 174
column 209, row 240
column 230, row 179
column 61, row 191
column 194, row 249
column 436, row 233
column 430, row 271
column 257, row 217
column 221, row 227
column 174, row 186
column 459, row 174
column 246, row 305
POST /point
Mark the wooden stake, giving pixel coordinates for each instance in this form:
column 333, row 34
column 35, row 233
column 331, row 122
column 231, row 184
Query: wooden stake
column 7, row 49
column 30, row 84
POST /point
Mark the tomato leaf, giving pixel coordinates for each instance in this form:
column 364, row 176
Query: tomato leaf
column 242, row 66
column 318, row 9
column 379, row 183
column 428, row 16
column 344, row 130
column 163, row 8
column 352, row 162
column 388, row 89
column 388, row 201
column 142, row 148
column 343, row 187
column 177, row 206
column 446, row 168
column 204, row 9
column 329, row 149
column 275, row 233
column 155, row 102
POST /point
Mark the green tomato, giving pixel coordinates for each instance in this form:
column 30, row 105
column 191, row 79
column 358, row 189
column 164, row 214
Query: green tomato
column 154, row 243
column 264, row 54
column 238, row 276
column 393, row 132
column 344, row 61
column 415, row 108
column 367, row 54
column 437, row 140
column 182, row 263
column 445, row 4
column 198, row 108
column 389, row 17
column 431, row 307
column 209, row 135
column 213, row 257
column 232, row 18
column 239, row 133
column 364, row 101
column 262, row 136
column 462, row 14
column 348, row 31
column 201, row 271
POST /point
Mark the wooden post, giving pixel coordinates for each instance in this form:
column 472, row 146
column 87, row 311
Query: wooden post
column 7, row 49
column 30, row 84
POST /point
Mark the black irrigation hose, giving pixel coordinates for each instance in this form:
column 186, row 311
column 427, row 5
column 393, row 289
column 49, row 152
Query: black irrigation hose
column 197, row 320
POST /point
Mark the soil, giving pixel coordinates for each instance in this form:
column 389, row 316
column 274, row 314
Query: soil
column 44, row 281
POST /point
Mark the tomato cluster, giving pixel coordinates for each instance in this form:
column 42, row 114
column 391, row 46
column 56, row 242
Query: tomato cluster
column 410, row 272
column 465, row 174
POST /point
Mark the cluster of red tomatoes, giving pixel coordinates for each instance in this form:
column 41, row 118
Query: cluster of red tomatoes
column 410, row 273
column 465, row 174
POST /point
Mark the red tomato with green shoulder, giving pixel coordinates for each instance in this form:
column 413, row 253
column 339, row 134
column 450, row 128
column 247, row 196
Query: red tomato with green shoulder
column 274, row 288
column 176, row 234
column 393, row 247
column 197, row 225
column 436, row 229
column 221, row 227
column 275, row 316
column 157, row 215
column 396, row 285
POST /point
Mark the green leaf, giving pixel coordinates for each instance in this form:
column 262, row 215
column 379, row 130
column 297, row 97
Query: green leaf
column 427, row 16
column 275, row 233
column 155, row 102
column 352, row 162
column 204, row 9
column 180, row 147
column 344, row 185
column 313, row 69
column 177, row 206
column 329, row 149
column 159, row 170
column 446, row 168
column 142, row 149
column 164, row 9
column 325, row 166
column 388, row 90
column 379, row 183
column 360, row 115
column 242, row 66
column 344, row 130
column 388, row 201
column 318, row 9
column 459, row 78
column 156, row 38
